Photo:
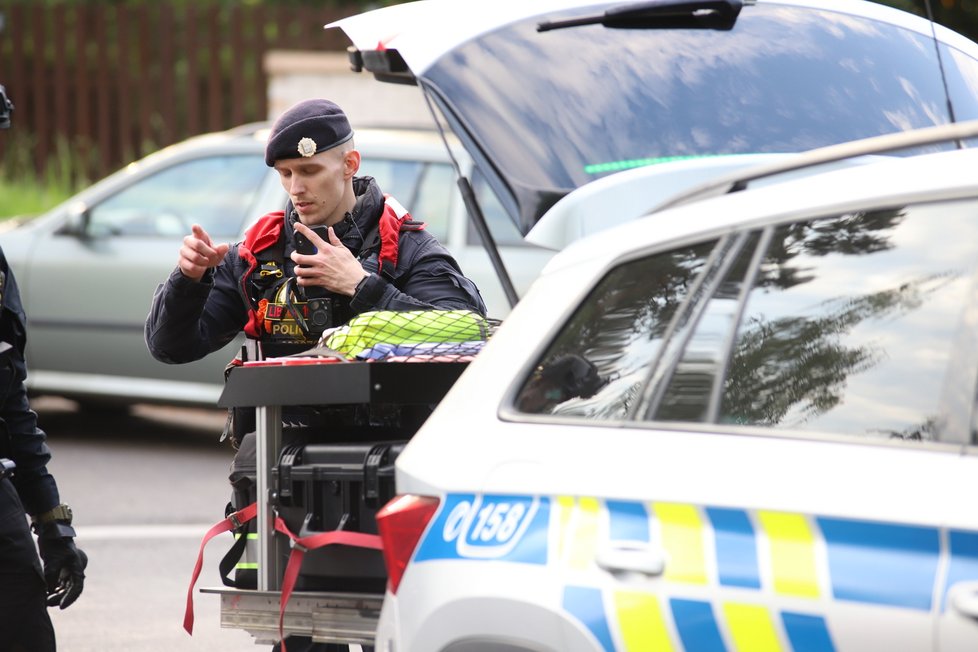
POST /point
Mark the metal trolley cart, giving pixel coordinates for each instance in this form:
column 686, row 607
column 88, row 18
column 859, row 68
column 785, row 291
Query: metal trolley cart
column 326, row 616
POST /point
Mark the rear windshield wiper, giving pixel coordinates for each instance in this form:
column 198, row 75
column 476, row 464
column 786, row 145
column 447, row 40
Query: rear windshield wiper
column 660, row 14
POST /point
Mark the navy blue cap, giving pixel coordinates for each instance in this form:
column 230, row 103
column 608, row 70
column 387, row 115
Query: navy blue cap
column 309, row 127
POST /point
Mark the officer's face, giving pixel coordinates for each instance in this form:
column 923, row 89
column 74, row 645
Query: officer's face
column 319, row 186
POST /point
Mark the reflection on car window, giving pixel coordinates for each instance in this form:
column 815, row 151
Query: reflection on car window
column 618, row 330
column 697, row 366
column 849, row 325
column 399, row 178
column 216, row 192
column 830, row 78
column 854, row 324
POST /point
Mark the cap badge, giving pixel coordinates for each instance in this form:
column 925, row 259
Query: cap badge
column 307, row 147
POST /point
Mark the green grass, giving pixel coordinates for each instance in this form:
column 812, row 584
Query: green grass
column 23, row 192
column 28, row 197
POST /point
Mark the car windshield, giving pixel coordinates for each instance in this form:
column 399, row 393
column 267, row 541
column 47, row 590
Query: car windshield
column 589, row 101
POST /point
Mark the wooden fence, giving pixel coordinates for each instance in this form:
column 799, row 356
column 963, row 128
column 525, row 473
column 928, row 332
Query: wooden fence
column 95, row 86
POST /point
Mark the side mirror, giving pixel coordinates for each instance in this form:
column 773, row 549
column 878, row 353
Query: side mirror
column 76, row 221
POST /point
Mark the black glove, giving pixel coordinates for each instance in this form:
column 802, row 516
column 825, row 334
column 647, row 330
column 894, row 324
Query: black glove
column 64, row 569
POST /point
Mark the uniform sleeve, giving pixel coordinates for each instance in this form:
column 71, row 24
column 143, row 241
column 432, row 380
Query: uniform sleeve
column 20, row 438
column 189, row 319
column 429, row 278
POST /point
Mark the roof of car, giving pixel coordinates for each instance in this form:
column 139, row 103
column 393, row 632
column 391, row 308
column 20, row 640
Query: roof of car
column 894, row 181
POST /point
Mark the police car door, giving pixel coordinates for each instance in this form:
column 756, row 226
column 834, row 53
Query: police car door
column 778, row 417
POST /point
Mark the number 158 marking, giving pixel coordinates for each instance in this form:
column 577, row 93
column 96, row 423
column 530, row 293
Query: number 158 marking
column 489, row 527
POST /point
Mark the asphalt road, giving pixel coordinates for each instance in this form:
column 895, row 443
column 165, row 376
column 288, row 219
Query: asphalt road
column 144, row 488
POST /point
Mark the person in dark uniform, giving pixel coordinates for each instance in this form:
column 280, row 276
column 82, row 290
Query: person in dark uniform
column 263, row 287
column 27, row 488
column 368, row 254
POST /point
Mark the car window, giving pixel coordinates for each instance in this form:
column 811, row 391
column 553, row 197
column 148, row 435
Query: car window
column 783, row 79
column 433, row 203
column 962, row 85
column 398, row 178
column 855, row 324
column 424, row 188
column 170, row 201
column 428, row 189
column 698, row 355
column 850, row 323
column 601, row 360
column 501, row 226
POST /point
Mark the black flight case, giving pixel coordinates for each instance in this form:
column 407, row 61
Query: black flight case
column 335, row 479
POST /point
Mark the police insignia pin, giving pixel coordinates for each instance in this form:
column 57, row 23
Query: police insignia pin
column 307, row 147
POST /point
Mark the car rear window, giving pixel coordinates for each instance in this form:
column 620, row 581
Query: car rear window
column 784, row 79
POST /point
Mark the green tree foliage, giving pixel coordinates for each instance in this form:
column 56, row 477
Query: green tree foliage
column 959, row 15
column 365, row 4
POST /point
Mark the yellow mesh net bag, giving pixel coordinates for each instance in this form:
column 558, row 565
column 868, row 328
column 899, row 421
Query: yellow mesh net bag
column 400, row 331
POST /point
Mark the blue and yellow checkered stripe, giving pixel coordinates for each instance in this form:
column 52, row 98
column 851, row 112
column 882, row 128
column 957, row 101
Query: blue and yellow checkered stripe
column 642, row 623
column 809, row 560
column 727, row 573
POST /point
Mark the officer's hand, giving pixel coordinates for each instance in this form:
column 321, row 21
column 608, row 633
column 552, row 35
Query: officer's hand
column 333, row 266
column 64, row 570
column 198, row 253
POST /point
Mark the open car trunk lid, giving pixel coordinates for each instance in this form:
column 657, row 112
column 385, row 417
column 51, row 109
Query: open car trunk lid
column 548, row 96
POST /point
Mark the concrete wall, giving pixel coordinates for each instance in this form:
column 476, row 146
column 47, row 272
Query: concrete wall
column 297, row 75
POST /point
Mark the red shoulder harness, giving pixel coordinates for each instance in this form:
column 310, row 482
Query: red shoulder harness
column 263, row 234
column 268, row 230
column 393, row 220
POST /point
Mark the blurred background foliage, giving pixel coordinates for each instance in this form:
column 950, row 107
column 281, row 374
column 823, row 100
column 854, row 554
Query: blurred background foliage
column 959, row 15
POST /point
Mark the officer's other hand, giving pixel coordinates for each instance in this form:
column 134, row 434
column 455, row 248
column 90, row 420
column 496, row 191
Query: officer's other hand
column 64, row 570
column 198, row 253
column 332, row 266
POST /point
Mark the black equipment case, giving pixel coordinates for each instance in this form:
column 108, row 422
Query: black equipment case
column 327, row 487
column 325, row 479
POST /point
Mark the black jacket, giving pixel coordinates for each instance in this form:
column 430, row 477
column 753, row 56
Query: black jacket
column 20, row 438
column 189, row 319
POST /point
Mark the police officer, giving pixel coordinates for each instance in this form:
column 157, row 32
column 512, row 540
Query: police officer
column 26, row 487
column 264, row 287
column 368, row 255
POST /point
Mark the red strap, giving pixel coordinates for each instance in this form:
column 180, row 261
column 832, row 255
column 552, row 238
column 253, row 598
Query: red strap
column 233, row 521
column 390, row 227
column 394, row 219
column 299, row 547
column 260, row 236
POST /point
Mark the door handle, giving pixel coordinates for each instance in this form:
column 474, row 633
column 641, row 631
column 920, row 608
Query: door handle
column 631, row 557
column 963, row 597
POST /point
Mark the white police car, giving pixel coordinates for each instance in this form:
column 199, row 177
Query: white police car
column 743, row 423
